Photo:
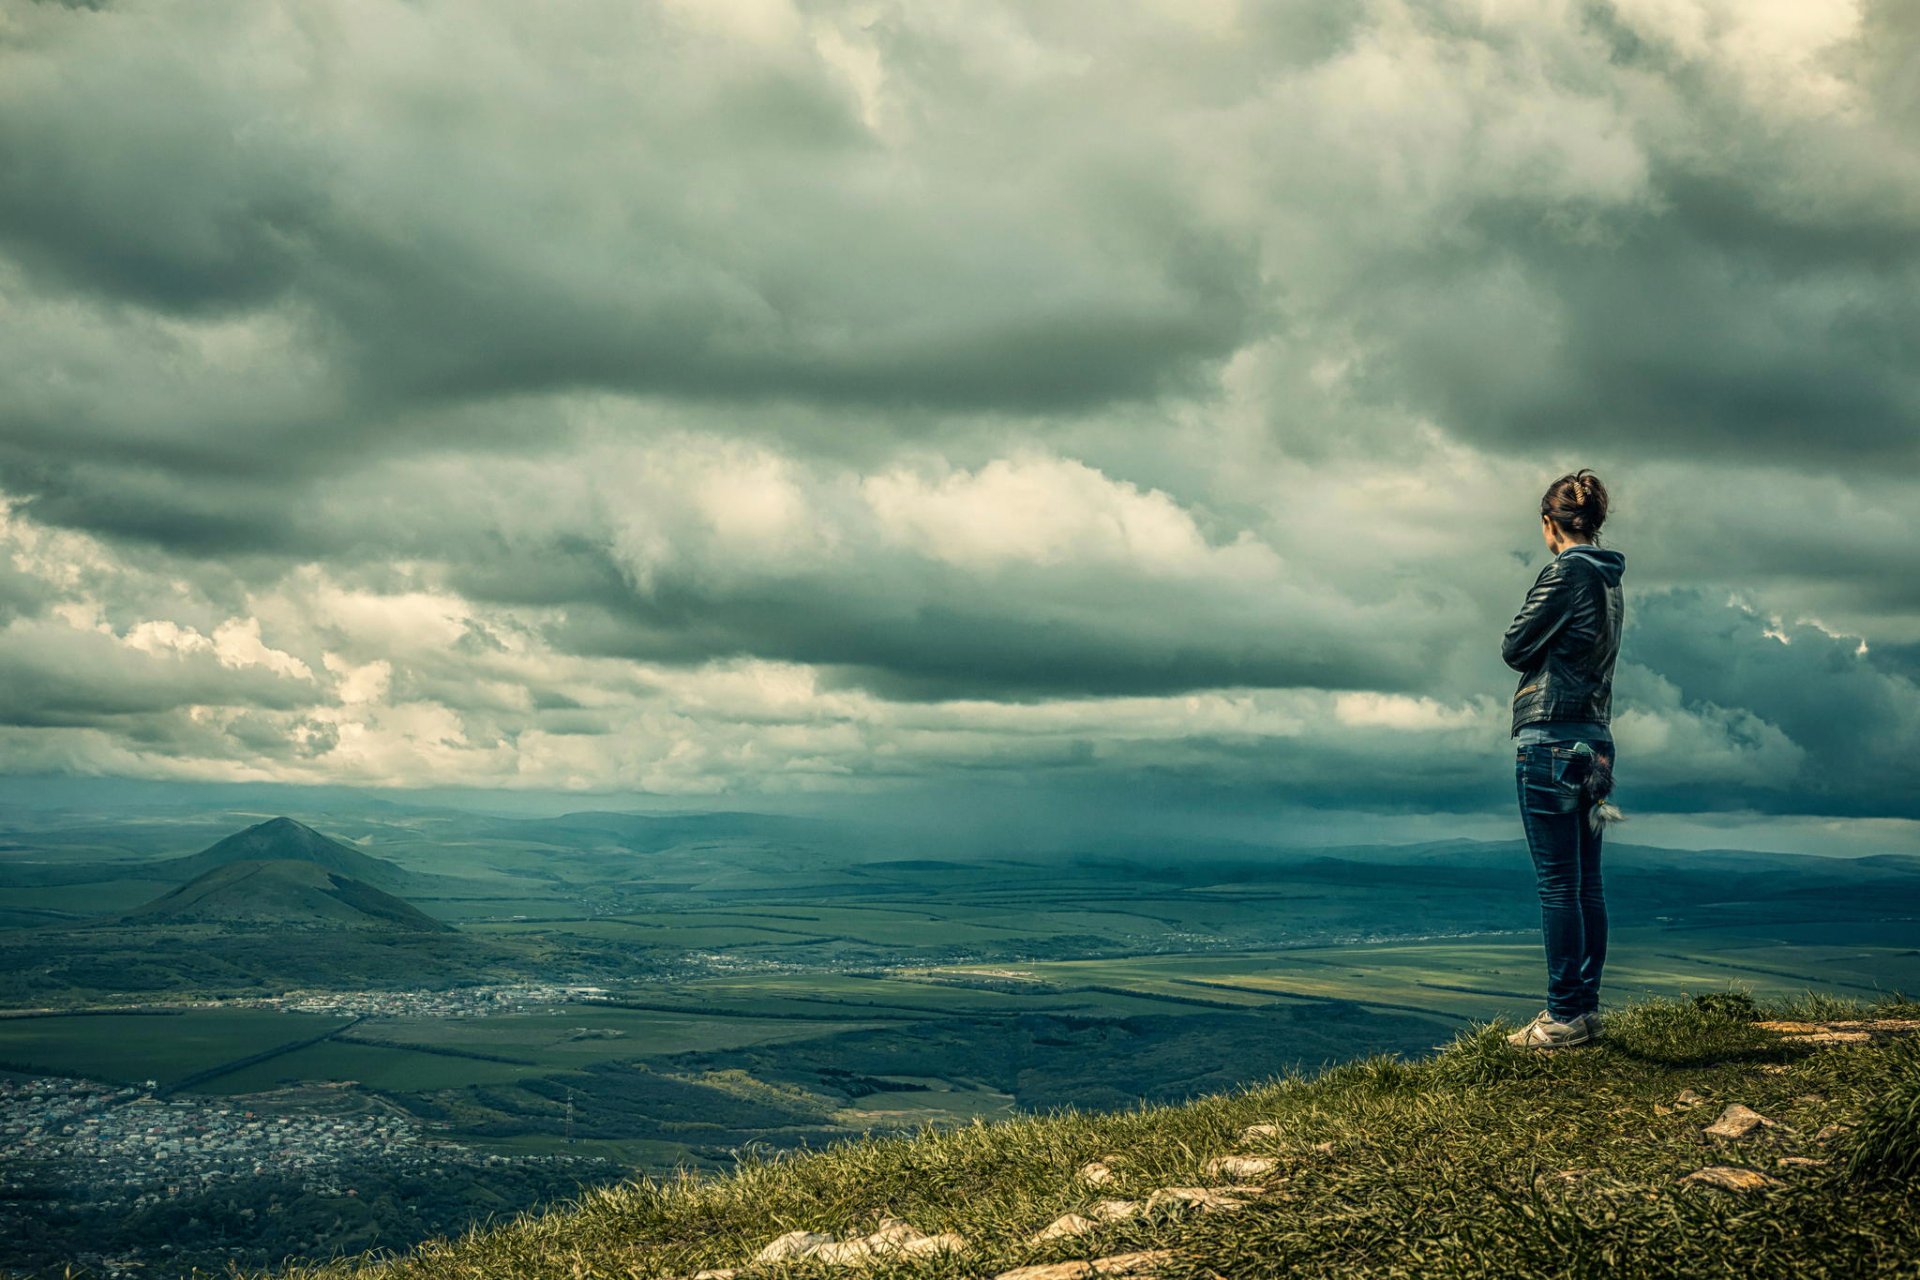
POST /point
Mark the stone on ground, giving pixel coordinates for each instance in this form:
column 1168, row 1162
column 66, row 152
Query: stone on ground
column 1687, row 1098
column 893, row 1237
column 1729, row 1178
column 1238, row 1166
column 1259, row 1132
column 1099, row 1172
column 1736, row 1122
column 1114, row 1210
column 1067, row 1224
column 1841, row 1031
column 794, row 1244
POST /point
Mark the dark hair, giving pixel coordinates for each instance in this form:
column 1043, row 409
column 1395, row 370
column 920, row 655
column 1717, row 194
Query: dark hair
column 1577, row 503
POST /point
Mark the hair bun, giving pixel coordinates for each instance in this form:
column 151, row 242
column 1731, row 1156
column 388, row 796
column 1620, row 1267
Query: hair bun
column 1576, row 502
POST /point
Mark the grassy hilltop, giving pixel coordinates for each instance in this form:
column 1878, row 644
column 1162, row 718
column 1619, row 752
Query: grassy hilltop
column 1479, row 1161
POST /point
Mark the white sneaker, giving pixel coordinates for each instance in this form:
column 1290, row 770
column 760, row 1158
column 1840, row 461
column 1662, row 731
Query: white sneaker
column 1545, row 1033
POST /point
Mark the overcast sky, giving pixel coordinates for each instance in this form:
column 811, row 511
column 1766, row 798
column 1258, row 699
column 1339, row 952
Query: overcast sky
column 737, row 400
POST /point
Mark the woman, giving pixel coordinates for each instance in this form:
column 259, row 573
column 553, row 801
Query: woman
column 1563, row 644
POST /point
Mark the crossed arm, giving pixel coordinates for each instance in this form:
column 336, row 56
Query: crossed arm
column 1540, row 619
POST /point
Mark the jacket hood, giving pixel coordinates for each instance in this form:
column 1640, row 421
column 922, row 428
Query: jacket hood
column 1611, row 563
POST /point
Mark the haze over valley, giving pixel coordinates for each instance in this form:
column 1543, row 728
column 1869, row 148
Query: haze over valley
column 364, row 1027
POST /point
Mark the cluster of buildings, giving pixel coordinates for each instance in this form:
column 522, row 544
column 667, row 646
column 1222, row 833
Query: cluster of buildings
column 69, row 1148
column 124, row 1143
column 457, row 1002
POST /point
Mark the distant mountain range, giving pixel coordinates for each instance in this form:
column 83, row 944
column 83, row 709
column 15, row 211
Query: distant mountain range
column 283, row 891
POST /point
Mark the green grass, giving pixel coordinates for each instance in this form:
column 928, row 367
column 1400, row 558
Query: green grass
column 126, row 1048
column 1481, row 1161
column 538, row 1046
column 1886, row 1150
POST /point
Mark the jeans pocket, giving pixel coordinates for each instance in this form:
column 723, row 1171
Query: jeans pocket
column 1545, row 785
column 1570, row 768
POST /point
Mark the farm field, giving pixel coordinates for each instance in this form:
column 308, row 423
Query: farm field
column 165, row 1046
column 1485, row 977
column 862, row 1029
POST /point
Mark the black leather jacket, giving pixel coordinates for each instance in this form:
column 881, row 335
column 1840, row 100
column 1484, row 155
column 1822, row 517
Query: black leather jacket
column 1566, row 637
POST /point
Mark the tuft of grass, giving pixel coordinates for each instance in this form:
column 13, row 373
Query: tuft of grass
column 1480, row 1055
column 1886, row 1146
column 1733, row 1003
column 1375, row 1073
column 1712, row 1028
column 1818, row 1006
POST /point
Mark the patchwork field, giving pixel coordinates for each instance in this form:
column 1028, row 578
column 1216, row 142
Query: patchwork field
column 915, row 1044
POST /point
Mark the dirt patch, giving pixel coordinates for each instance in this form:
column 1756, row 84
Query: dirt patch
column 1849, row 1031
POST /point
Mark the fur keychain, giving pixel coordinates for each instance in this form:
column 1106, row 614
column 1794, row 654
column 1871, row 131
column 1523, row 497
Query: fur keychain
column 1596, row 787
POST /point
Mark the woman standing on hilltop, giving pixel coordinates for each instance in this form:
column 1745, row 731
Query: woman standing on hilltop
column 1563, row 643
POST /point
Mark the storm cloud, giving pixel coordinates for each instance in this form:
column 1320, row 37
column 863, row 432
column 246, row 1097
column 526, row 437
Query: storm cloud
column 741, row 397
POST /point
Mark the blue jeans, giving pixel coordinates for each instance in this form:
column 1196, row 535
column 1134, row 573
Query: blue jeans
column 1566, row 860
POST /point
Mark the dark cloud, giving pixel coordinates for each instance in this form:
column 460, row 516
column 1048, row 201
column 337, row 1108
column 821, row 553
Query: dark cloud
column 719, row 396
column 730, row 230
column 1784, row 688
column 1708, row 327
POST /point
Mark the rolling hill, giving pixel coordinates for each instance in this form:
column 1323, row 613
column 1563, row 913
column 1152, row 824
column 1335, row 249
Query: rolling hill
column 284, row 892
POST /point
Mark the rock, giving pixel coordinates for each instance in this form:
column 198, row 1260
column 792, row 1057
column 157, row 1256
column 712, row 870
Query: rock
column 1114, row 1210
column 1238, row 1166
column 717, row 1273
column 1324, row 1148
column 1843, row 1031
column 892, row 1237
column 1259, row 1132
column 1729, row 1178
column 1140, row 1263
column 794, row 1244
column 1099, row 1172
column 1829, row 1132
column 1799, row 1162
column 1810, row 1099
column 1687, row 1099
column 1206, row 1199
column 1736, row 1122
column 1067, row 1224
